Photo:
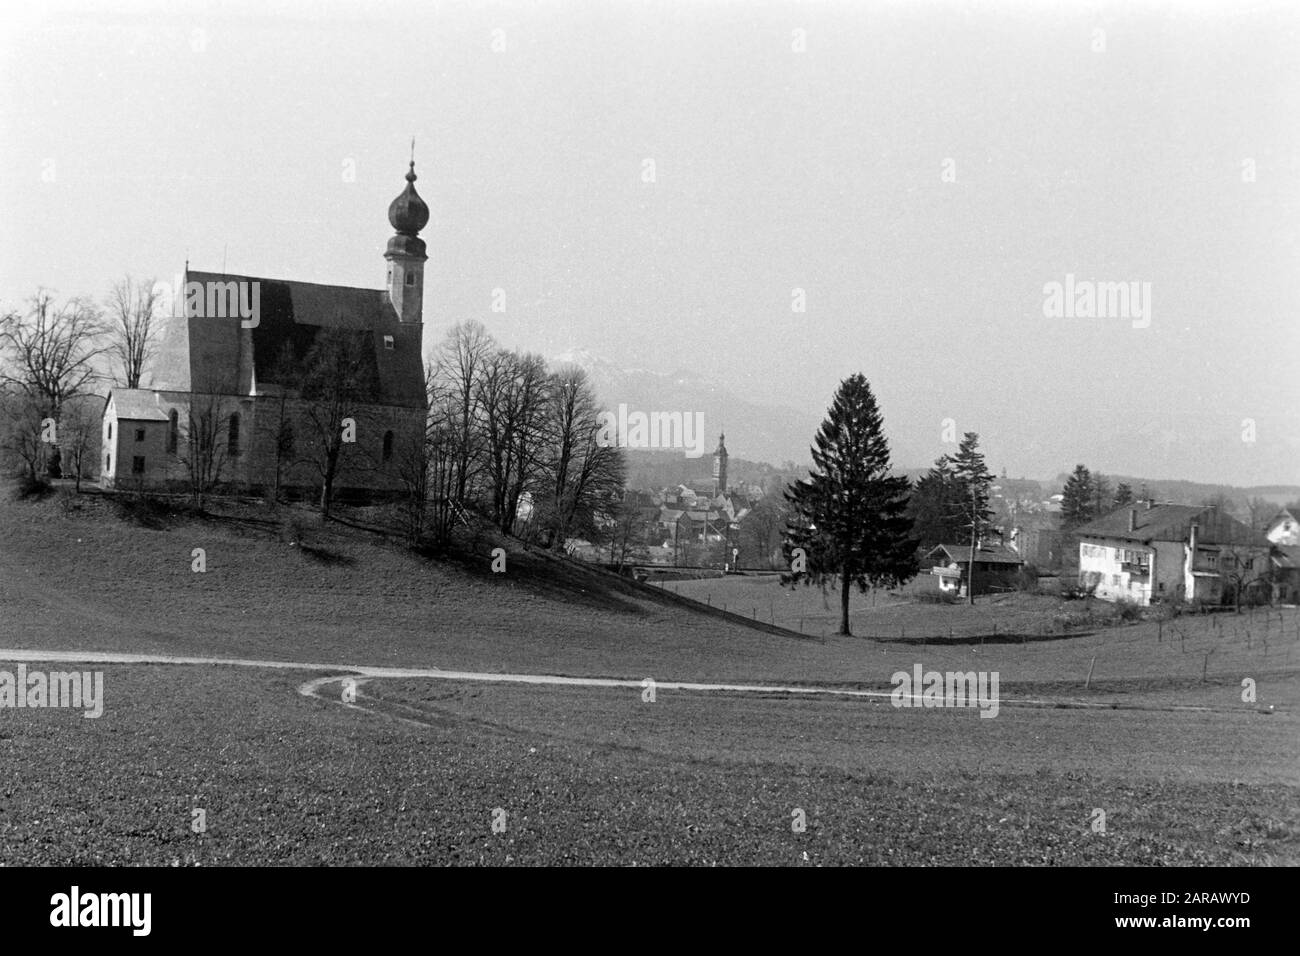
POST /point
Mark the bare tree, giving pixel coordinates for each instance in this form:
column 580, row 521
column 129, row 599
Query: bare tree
column 762, row 527
column 627, row 530
column 585, row 478
column 339, row 381
column 1261, row 511
column 50, row 352
column 443, row 443
column 131, row 325
column 22, row 431
column 204, row 445
column 512, row 395
column 78, row 433
column 459, row 368
column 287, row 377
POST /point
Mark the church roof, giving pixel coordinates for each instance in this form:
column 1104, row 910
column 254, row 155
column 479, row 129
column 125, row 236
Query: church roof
column 293, row 313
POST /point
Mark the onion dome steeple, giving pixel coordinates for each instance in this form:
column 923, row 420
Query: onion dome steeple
column 408, row 212
column 406, row 255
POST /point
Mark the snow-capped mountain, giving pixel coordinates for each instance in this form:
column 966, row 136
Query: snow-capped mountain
column 755, row 430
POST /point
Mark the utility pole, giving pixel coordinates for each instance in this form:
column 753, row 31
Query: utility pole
column 974, row 527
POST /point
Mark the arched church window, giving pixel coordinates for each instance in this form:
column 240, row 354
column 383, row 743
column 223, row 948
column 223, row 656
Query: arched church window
column 388, row 445
column 173, row 430
column 232, row 442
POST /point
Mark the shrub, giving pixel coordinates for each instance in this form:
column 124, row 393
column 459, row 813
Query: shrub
column 143, row 509
column 1128, row 610
column 69, row 500
column 1027, row 579
column 937, row 597
column 293, row 530
column 29, row 487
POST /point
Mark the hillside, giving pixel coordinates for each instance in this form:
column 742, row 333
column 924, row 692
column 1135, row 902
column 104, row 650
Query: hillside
column 415, row 770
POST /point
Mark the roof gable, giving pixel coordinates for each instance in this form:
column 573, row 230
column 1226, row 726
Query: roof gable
column 135, row 405
column 1171, row 523
column 961, row 554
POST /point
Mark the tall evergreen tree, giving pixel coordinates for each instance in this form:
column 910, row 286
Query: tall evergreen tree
column 935, row 506
column 849, row 514
column 1123, row 494
column 1077, row 499
column 1101, row 494
column 973, row 480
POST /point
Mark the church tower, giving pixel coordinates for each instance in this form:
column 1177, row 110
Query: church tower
column 406, row 256
column 720, row 467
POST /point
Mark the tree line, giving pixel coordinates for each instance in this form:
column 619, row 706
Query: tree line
column 505, row 437
column 513, row 441
column 53, row 355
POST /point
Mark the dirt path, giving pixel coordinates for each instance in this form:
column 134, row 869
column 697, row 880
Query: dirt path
column 337, row 673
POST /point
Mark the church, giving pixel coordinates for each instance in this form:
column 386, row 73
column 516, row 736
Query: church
column 231, row 378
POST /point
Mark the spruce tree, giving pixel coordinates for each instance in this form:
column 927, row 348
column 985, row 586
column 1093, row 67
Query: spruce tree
column 1077, row 499
column 1101, row 494
column 935, row 506
column 1123, row 494
column 973, row 480
column 849, row 514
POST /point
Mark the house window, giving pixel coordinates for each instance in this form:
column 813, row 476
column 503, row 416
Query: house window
column 139, row 434
column 388, row 342
column 388, row 445
column 232, row 438
column 410, row 278
column 137, row 465
column 173, row 429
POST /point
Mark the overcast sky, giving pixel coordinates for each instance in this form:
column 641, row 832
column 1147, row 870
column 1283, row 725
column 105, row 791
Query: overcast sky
column 920, row 170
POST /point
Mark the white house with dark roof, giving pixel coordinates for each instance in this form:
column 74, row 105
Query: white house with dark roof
column 1284, row 529
column 224, row 370
column 1148, row 553
column 135, row 435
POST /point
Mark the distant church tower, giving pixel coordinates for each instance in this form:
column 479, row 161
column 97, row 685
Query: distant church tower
column 720, row 467
column 405, row 254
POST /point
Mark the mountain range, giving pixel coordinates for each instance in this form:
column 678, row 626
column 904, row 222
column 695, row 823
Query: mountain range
column 756, row 430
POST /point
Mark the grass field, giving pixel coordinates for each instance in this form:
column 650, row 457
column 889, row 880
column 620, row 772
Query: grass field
column 596, row 775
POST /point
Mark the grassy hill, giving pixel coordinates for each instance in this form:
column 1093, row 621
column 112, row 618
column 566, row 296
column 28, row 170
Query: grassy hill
column 587, row 775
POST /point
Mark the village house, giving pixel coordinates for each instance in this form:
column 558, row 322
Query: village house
column 1148, row 553
column 995, row 568
column 230, row 380
column 1284, row 529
